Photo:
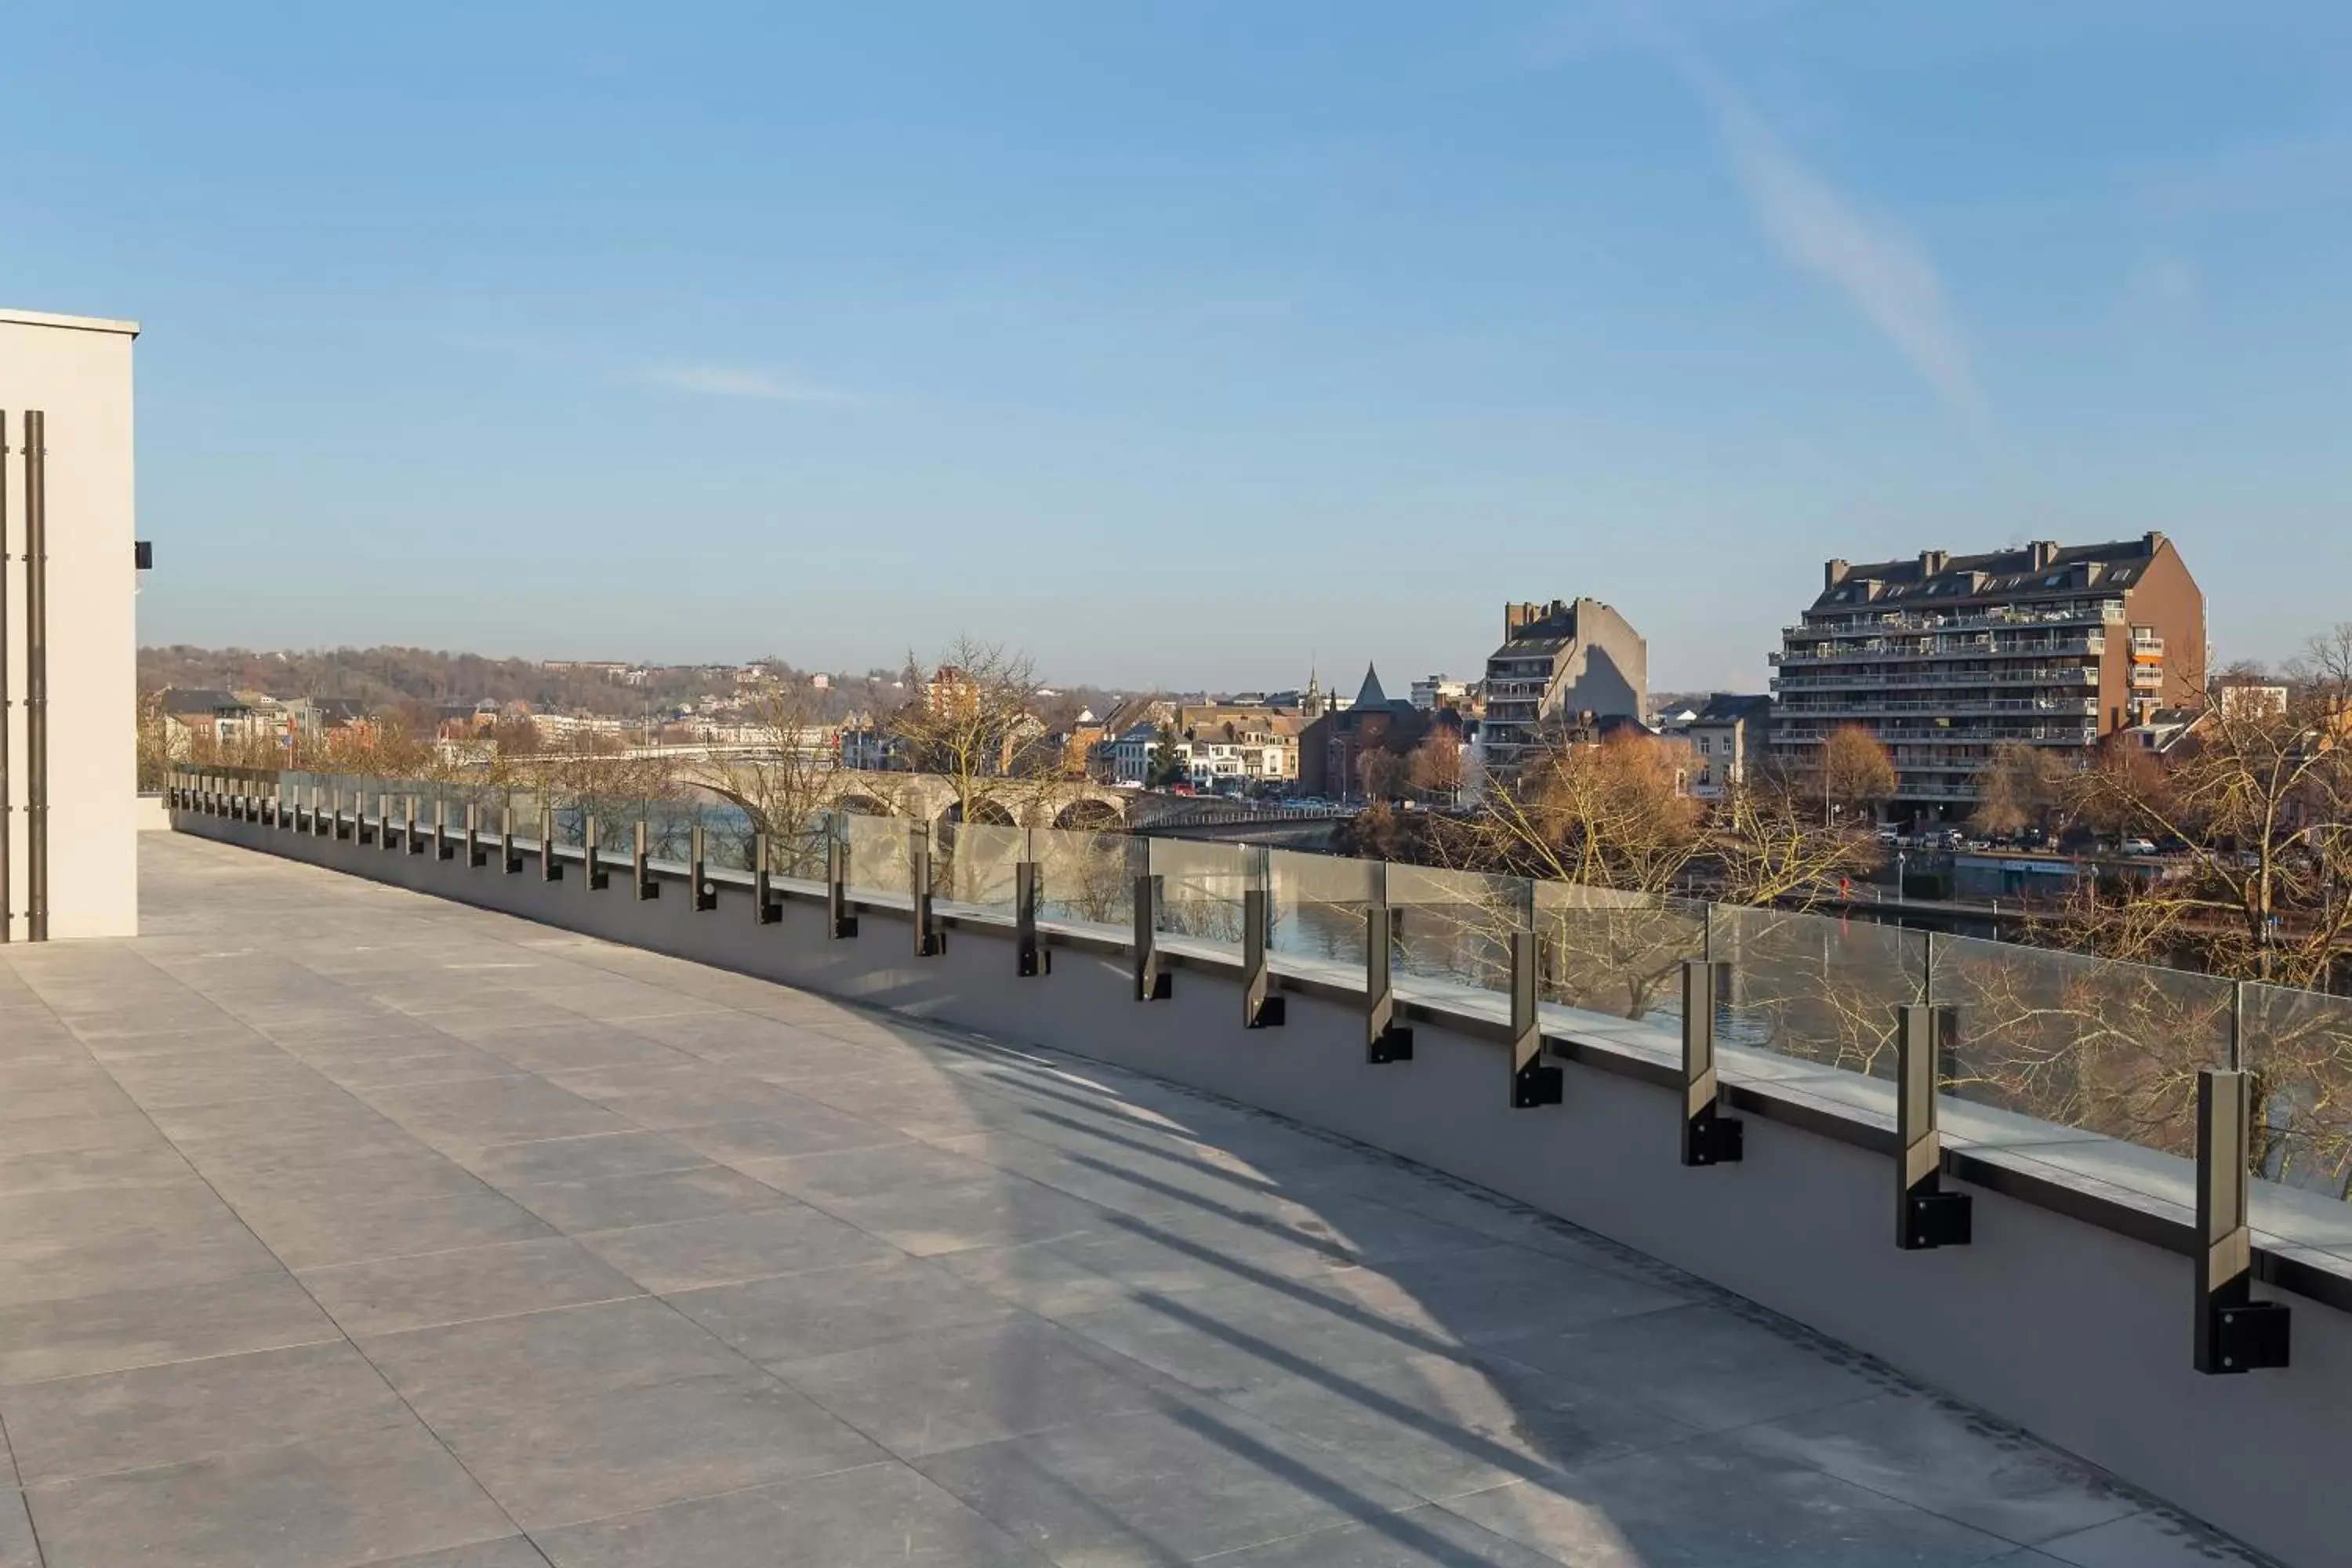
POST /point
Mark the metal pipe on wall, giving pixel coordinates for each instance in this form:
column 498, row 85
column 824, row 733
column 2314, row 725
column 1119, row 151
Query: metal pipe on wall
column 36, row 677
column 7, row 800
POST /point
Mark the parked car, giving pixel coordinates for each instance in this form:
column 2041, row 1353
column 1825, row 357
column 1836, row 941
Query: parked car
column 2139, row 847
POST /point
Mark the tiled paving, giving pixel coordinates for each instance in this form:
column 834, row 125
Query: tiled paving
column 340, row 1226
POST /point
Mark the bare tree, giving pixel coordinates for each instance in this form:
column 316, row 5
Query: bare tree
column 2021, row 788
column 1435, row 768
column 969, row 721
column 1856, row 771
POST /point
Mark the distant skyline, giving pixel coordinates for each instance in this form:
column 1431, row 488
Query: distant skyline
column 1189, row 346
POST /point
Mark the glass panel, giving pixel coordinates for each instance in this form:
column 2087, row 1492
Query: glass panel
column 2084, row 1042
column 1084, row 877
column 1318, row 905
column 1201, row 887
column 972, row 862
column 879, row 859
column 1456, row 926
column 1618, row 954
column 1814, row 986
column 2298, row 1046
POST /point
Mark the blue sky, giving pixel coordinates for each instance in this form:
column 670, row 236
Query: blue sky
column 1188, row 344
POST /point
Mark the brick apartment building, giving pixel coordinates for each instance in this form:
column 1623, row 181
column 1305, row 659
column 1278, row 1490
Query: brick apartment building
column 1946, row 658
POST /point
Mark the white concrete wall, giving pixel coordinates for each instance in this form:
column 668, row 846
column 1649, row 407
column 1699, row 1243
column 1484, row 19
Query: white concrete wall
column 77, row 371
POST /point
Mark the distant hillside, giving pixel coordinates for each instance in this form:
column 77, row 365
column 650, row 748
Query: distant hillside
column 382, row 676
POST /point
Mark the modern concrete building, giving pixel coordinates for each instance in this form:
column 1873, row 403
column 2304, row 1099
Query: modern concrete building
column 1560, row 663
column 70, row 661
column 1947, row 658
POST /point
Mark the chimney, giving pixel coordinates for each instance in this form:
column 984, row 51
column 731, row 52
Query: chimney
column 1835, row 573
column 2153, row 539
column 1932, row 562
column 2045, row 551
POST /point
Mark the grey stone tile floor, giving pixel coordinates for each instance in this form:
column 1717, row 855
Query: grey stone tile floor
column 345, row 1226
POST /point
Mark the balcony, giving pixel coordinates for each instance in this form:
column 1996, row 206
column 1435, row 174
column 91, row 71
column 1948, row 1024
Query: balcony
column 1943, row 649
column 1863, row 623
column 993, row 1238
column 2051, row 675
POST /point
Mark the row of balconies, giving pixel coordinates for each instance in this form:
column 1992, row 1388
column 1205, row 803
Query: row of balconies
column 2042, row 734
column 2057, row 675
column 1985, row 646
column 1960, row 704
column 1855, row 625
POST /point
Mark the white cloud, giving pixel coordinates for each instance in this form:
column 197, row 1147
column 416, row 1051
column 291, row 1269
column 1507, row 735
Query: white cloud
column 745, row 381
column 1882, row 272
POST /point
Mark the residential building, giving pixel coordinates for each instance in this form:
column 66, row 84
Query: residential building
column 1434, row 691
column 1130, row 754
column 2248, row 696
column 1728, row 738
column 192, row 712
column 1559, row 662
column 1944, row 658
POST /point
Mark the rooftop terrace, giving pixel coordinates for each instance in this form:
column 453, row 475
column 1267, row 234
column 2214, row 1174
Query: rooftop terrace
column 341, row 1224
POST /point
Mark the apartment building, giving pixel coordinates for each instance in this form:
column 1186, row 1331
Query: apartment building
column 1944, row 658
column 1558, row 663
column 1729, row 737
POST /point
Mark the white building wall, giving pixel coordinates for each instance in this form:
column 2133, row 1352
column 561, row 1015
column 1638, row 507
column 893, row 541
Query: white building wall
column 77, row 371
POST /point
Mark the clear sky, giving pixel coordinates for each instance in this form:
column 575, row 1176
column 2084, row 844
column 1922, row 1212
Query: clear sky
column 1186, row 342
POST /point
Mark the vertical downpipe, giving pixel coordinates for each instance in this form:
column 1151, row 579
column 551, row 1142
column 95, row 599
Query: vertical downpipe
column 37, row 677
column 7, row 800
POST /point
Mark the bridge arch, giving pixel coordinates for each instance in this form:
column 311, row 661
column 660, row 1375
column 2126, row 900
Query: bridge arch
column 985, row 811
column 1090, row 813
column 857, row 803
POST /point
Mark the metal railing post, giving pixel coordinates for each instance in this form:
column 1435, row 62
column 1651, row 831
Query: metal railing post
column 509, row 858
column 645, row 886
column 593, row 876
column 1709, row 1137
column 1927, row 1216
column 929, row 942
column 1033, row 958
column 384, row 826
column 444, row 847
column 412, row 832
column 840, row 924
column 1261, row 1008
column 1385, row 1039
column 1153, row 983
column 2234, row 1333
column 1534, row 1081
column 36, row 675
column 706, row 891
column 765, row 910
column 476, row 856
column 550, row 869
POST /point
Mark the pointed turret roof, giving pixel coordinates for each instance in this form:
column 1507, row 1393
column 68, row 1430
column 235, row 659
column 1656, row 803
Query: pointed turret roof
column 1369, row 694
